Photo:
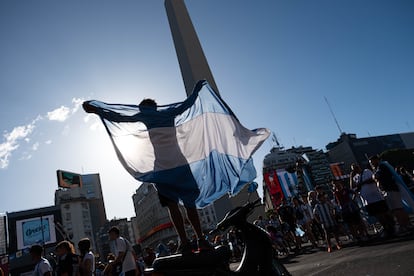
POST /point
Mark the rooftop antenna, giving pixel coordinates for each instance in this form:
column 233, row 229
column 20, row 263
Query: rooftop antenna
column 333, row 115
column 275, row 140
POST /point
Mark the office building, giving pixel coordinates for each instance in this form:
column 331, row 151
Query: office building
column 82, row 208
column 350, row 149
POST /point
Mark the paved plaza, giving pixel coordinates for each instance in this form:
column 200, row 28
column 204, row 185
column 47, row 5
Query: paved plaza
column 379, row 257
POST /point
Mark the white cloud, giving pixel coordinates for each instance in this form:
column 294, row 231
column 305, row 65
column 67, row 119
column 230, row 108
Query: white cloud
column 77, row 102
column 11, row 142
column 59, row 114
column 35, row 146
column 26, row 156
column 95, row 122
column 12, row 139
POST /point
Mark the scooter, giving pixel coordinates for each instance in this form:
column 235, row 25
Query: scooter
column 258, row 256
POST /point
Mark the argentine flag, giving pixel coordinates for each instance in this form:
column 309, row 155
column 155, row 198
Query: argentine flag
column 193, row 151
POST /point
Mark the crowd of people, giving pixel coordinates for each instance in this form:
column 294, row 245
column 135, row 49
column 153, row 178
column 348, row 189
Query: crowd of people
column 65, row 262
column 369, row 206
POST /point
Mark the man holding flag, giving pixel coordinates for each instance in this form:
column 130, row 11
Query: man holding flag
column 194, row 151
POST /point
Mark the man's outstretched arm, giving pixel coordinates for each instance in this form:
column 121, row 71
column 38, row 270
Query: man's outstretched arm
column 108, row 114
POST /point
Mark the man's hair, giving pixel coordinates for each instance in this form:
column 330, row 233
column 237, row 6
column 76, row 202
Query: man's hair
column 114, row 229
column 84, row 244
column 36, row 250
column 148, row 103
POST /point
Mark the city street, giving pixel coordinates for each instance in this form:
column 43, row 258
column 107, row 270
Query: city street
column 392, row 257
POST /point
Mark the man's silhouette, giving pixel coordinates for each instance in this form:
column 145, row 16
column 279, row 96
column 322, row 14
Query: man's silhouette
column 165, row 145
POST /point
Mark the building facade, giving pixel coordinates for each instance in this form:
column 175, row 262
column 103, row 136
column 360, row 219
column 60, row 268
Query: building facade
column 3, row 234
column 350, row 149
column 82, row 209
column 25, row 228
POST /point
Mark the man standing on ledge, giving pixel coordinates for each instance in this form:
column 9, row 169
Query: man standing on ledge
column 194, row 151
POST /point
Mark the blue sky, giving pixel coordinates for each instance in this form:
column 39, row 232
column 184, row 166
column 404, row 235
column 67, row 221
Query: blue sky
column 273, row 62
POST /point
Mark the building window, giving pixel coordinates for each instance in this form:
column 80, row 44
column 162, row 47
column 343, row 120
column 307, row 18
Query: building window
column 85, row 215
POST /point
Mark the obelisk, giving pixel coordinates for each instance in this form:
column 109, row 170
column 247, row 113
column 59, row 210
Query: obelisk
column 193, row 63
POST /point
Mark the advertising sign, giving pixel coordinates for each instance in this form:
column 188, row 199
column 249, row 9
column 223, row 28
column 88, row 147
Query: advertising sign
column 38, row 230
column 68, row 179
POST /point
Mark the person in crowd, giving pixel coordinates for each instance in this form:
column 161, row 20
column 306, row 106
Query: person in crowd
column 87, row 259
column 304, row 215
column 374, row 201
column 100, row 268
column 217, row 240
column 324, row 213
column 274, row 221
column 317, row 227
column 42, row 265
column 234, row 244
column 276, row 236
column 162, row 250
column 172, row 246
column 68, row 261
column 385, row 179
column 124, row 257
column 287, row 216
column 109, row 268
column 312, row 198
column 320, row 190
column 141, row 265
column 350, row 211
column 149, row 256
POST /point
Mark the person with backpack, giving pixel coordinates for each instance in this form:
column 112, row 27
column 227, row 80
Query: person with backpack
column 124, row 257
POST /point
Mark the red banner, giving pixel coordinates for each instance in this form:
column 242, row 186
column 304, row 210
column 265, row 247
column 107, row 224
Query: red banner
column 273, row 185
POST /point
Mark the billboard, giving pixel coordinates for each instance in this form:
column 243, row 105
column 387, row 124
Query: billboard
column 37, row 230
column 68, row 179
